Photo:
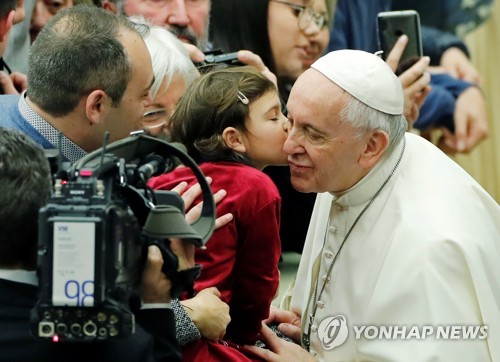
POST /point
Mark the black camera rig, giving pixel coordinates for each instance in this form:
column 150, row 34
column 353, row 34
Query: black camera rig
column 94, row 233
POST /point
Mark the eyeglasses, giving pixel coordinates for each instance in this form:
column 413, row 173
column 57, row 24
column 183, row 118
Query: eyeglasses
column 154, row 118
column 306, row 15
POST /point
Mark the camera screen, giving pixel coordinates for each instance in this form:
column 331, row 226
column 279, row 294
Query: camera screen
column 74, row 264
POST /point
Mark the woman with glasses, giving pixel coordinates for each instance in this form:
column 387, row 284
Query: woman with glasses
column 289, row 36
column 173, row 74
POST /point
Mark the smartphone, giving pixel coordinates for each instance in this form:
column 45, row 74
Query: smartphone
column 390, row 26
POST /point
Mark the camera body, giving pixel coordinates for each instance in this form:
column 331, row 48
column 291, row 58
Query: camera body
column 217, row 58
column 93, row 239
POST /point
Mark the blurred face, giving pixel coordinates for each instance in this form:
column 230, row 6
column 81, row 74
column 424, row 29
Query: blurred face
column 188, row 19
column 44, row 10
column 157, row 115
column 127, row 116
column 295, row 49
column 323, row 153
column 266, row 131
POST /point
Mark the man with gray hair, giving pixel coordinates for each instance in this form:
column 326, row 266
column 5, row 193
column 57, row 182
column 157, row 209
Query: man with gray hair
column 401, row 256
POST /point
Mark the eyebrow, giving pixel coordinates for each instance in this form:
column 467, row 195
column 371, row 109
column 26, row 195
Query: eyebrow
column 151, row 84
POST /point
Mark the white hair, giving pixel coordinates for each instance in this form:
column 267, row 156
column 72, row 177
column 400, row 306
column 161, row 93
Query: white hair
column 169, row 56
column 366, row 118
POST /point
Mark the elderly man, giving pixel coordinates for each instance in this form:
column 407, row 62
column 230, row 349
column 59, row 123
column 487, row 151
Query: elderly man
column 401, row 257
column 188, row 19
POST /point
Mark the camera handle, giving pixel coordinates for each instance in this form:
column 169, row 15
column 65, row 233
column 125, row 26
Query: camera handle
column 139, row 147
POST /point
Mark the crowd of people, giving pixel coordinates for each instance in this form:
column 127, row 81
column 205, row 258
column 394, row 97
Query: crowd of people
column 305, row 146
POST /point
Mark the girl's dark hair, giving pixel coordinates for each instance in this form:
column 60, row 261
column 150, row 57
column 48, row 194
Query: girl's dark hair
column 210, row 105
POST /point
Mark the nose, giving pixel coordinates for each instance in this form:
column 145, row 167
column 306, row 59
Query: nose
column 312, row 29
column 178, row 14
column 292, row 145
column 284, row 123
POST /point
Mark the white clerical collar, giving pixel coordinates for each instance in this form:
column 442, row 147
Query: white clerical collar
column 365, row 188
column 19, row 276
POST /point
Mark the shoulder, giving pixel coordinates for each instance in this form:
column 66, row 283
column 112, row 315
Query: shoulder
column 9, row 99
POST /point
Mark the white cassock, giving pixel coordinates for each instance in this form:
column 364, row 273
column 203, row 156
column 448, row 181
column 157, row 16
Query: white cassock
column 425, row 254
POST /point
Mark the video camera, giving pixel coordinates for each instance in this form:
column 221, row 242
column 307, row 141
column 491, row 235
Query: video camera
column 94, row 234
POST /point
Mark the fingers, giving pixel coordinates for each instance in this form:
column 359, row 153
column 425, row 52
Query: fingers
column 252, row 59
column 416, row 73
column 195, row 212
column 394, row 55
column 184, row 250
column 180, row 187
column 291, row 331
column 155, row 286
column 6, row 84
column 223, row 220
column 192, row 193
column 211, row 290
column 195, row 54
column 20, row 81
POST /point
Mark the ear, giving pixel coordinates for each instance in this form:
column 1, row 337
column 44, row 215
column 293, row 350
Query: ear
column 5, row 24
column 97, row 106
column 109, row 6
column 375, row 148
column 233, row 139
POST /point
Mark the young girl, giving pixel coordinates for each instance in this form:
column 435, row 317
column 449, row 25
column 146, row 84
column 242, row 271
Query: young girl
column 231, row 124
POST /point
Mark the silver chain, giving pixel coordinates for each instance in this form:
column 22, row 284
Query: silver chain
column 306, row 338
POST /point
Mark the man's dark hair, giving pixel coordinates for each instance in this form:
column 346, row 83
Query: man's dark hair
column 25, row 186
column 78, row 51
column 6, row 6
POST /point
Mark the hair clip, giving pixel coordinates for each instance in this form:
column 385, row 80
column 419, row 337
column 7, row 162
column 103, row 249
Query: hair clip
column 243, row 98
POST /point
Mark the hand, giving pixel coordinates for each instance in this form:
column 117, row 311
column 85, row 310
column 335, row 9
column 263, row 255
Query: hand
column 195, row 53
column 209, row 313
column 14, row 83
column 184, row 251
column 471, row 123
column 155, row 286
column 415, row 81
column 189, row 195
column 456, row 63
column 289, row 322
column 252, row 59
column 279, row 350
column 20, row 12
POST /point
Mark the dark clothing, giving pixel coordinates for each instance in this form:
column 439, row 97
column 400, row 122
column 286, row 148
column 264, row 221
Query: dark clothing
column 354, row 28
column 17, row 344
column 455, row 16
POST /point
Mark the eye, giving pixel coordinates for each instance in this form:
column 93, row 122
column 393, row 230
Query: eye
column 296, row 10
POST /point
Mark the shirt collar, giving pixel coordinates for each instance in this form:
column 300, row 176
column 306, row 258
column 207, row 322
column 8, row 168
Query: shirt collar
column 366, row 188
column 19, row 276
column 71, row 151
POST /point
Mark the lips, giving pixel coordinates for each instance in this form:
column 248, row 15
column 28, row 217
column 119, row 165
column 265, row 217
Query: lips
column 294, row 166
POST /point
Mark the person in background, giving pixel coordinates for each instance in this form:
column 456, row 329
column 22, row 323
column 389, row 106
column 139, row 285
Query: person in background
column 11, row 13
column 173, row 71
column 455, row 104
column 231, row 123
